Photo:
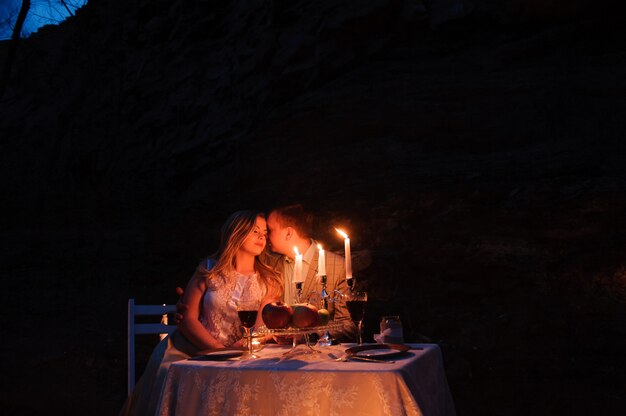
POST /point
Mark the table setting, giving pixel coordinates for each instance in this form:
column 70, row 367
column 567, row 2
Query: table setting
column 309, row 377
column 392, row 379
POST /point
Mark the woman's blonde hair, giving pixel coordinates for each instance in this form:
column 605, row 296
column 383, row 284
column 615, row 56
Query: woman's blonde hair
column 233, row 234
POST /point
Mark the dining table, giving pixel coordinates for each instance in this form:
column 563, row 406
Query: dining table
column 326, row 382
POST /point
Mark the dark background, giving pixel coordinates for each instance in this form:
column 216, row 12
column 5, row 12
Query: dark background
column 472, row 150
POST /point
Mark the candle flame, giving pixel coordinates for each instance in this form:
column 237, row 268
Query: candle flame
column 319, row 246
column 295, row 249
column 344, row 235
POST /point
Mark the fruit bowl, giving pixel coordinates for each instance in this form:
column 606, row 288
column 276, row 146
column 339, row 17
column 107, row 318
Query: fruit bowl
column 263, row 330
column 295, row 332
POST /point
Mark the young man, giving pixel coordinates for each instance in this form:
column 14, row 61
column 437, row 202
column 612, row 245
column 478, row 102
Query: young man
column 290, row 227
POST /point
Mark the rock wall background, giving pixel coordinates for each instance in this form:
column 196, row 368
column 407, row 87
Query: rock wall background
column 472, row 149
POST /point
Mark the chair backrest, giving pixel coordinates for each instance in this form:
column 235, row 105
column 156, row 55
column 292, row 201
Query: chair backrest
column 138, row 329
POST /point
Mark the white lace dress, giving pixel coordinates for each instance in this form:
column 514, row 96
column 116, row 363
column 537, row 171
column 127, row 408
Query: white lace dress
column 219, row 305
column 218, row 316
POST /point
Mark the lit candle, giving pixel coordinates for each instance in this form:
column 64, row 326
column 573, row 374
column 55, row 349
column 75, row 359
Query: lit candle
column 297, row 270
column 321, row 262
column 348, row 258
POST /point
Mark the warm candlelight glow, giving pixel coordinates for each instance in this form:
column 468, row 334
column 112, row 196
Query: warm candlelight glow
column 344, row 235
column 348, row 256
column 297, row 270
column 321, row 261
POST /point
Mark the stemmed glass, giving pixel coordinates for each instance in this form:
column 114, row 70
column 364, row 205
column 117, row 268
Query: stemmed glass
column 248, row 309
column 356, row 302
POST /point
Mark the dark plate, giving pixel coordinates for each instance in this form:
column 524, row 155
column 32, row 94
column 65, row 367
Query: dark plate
column 218, row 354
column 378, row 350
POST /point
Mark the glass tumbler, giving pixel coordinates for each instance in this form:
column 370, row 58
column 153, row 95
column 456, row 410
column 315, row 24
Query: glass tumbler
column 391, row 330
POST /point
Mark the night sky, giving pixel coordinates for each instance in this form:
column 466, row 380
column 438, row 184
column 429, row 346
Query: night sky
column 40, row 13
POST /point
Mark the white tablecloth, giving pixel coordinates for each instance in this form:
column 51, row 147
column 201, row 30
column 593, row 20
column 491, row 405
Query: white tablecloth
column 309, row 385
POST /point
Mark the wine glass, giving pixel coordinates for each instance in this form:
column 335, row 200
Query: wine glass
column 356, row 302
column 248, row 311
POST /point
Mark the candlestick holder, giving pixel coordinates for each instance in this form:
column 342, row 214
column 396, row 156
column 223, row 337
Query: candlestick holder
column 322, row 298
column 324, row 340
column 351, row 284
column 324, row 293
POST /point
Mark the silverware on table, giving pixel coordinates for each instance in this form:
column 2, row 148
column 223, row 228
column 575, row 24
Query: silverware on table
column 356, row 357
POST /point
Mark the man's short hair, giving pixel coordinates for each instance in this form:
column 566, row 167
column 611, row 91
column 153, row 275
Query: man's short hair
column 297, row 217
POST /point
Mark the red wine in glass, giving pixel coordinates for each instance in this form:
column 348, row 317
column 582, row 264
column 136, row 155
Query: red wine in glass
column 356, row 307
column 247, row 318
column 248, row 312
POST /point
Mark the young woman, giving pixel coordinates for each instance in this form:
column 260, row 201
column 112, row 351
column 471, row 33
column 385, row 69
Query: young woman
column 211, row 319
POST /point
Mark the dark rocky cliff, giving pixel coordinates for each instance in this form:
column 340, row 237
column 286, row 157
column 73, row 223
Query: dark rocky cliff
column 472, row 150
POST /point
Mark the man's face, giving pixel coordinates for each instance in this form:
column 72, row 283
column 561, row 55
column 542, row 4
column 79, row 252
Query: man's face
column 278, row 236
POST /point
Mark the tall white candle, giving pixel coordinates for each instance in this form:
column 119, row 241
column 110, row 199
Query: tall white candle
column 297, row 270
column 346, row 241
column 321, row 261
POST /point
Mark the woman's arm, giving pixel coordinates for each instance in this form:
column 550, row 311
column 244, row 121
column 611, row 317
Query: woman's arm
column 191, row 327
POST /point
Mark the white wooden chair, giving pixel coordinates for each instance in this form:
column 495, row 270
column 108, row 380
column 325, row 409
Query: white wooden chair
column 161, row 328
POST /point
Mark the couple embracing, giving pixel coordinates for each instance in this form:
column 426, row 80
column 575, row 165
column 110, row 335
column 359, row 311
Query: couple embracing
column 242, row 266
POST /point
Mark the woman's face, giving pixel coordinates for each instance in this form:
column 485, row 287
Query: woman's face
column 255, row 241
